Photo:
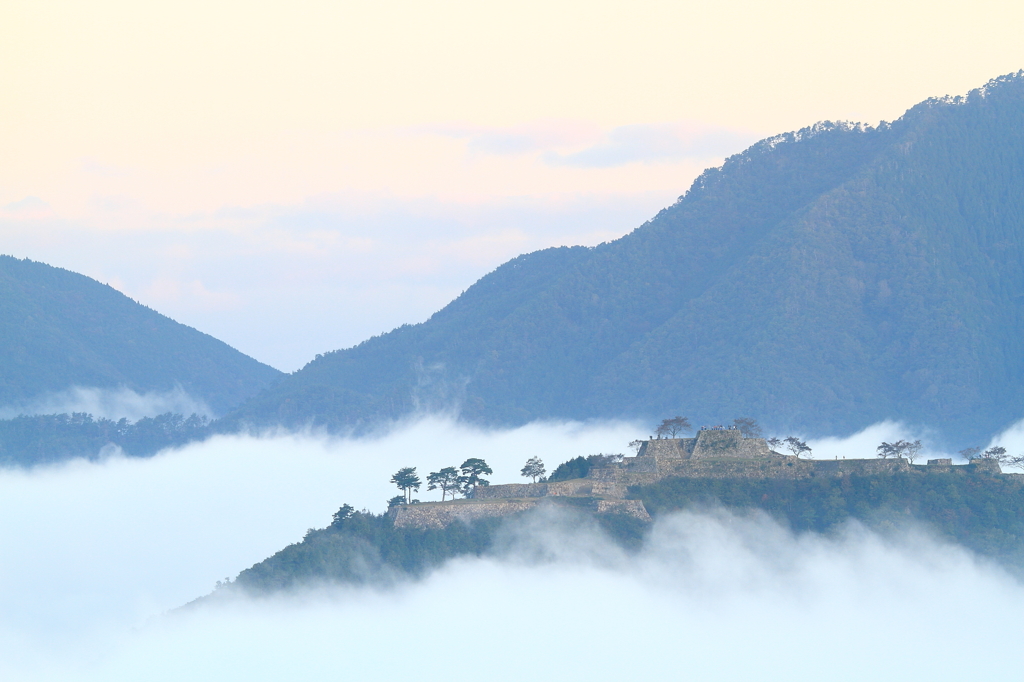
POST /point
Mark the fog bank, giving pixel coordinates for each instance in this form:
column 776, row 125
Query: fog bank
column 93, row 553
column 110, row 403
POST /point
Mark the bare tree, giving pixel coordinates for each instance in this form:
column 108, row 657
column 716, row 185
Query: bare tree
column 912, row 451
column 748, row 427
column 797, row 446
column 636, row 445
column 774, row 443
column 1016, row 462
column 997, row 453
column 673, row 426
column 970, row 454
column 534, row 468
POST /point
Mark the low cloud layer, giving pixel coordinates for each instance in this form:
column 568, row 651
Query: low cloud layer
column 94, row 552
column 110, row 403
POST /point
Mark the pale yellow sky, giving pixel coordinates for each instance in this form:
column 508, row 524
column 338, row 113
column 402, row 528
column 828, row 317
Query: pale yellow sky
column 210, row 123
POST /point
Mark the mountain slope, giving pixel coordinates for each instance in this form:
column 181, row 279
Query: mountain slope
column 821, row 280
column 60, row 329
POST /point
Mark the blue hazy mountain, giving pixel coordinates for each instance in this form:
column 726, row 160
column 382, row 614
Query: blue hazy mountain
column 59, row 329
column 821, row 280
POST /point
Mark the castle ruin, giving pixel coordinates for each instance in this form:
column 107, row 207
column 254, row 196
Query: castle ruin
column 711, row 454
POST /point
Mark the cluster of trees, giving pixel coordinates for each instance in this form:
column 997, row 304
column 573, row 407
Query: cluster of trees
column 910, row 450
column 449, row 480
column 678, row 425
column 39, row 439
column 579, row 467
column 900, row 449
column 461, row 480
column 997, row 453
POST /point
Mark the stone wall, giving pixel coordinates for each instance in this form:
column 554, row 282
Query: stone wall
column 443, row 514
column 574, row 488
column 708, row 444
column 667, row 448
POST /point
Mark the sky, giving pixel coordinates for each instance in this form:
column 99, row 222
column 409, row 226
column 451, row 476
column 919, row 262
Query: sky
column 101, row 551
column 293, row 178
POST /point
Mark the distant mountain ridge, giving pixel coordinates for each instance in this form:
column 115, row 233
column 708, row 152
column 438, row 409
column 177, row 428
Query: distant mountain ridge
column 819, row 281
column 60, row 329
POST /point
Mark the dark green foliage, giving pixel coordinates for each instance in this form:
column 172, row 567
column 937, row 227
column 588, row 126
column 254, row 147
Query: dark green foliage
column 59, row 329
column 820, row 281
column 473, row 470
column 981, row 511
column 407, row 481
column 49, row 438
column 579, row 467
column 367, row 548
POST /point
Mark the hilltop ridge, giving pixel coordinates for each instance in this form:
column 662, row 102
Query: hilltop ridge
column 60, row 329
column 822, row 280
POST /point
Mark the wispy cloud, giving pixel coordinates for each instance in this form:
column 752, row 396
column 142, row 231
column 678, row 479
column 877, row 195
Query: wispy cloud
column 581, row 144
column 657, row 143
column 109, row 403
column 535, row 136
column 29, row 208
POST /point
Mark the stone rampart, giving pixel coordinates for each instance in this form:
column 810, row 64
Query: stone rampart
column 709, row 444
column 667, row 448
column 443, row 514
column 574, row 488
column 986, row 464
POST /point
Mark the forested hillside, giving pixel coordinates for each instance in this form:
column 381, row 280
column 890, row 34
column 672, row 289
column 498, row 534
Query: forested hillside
column 49, row 438
column 819, row 281
column 59, row 329
column 978, row 510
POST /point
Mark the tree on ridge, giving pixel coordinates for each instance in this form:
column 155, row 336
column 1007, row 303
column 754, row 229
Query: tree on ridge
column 534, row 468
column 473, row 469
column 749, row 428
column 447, row 480
column 797, row 446
column 407, row 481
column 673, row 426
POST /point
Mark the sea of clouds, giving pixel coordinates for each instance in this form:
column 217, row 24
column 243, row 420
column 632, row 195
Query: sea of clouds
column 94, row 555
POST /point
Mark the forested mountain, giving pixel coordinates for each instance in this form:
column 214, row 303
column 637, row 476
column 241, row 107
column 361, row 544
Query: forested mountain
column 821, row 280
column 59, row 329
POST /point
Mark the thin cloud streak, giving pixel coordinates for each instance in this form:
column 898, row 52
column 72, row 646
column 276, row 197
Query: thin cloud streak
column 112, row 404
column 656, row 144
